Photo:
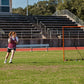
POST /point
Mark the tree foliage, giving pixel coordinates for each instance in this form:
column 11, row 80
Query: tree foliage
column 75, row 6
column 41, row 8
column 49, row 7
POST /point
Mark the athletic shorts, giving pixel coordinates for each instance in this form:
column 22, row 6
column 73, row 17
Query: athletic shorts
column 9, row 50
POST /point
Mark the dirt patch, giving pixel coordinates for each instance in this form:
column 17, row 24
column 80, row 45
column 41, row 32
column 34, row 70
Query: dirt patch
column 40, row 68
column 27, row 67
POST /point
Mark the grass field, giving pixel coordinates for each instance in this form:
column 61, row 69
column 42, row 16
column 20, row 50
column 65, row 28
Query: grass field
column 41, row 68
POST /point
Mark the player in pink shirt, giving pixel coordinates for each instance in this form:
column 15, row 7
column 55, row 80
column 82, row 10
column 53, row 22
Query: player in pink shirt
column 12, row 41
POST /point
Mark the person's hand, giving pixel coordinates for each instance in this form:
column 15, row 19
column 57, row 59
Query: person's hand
column 16, row 42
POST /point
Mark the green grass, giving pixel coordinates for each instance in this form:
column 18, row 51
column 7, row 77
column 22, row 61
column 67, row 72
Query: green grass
column 41, row 68
column 74, row 54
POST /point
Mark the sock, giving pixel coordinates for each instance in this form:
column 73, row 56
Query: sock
column 5, row 61
column 10, row 59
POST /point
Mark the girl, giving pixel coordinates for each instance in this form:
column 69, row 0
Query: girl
column 12, row 41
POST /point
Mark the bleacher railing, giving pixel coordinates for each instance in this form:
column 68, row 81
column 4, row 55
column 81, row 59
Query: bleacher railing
column 71, row 15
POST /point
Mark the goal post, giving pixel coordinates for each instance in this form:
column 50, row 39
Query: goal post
column 69, row 34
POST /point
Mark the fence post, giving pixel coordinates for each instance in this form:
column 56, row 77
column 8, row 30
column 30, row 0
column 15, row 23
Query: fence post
column 50, row 34
column 69, row 35
column 78, row 38
column 31, row 33
column 37, row 21
column 46, row 48
column 31, row 49
column 21, row 35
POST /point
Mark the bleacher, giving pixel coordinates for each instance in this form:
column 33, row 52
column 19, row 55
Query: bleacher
column 39, row 30
column 53, row 25
column 20, row 24
column 49, row 26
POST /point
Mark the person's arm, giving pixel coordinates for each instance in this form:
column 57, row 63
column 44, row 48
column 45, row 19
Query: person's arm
column 9, row 40
column 16, row 40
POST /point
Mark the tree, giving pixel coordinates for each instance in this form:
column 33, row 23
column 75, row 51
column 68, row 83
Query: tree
column 19, row 11
column 75, row 6
column 49, row 7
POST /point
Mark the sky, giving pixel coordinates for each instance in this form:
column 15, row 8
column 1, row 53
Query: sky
column 23, row 3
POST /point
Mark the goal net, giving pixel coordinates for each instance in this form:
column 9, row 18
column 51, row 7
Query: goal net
column 73, row 43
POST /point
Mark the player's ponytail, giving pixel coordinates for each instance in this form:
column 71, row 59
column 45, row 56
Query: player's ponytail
column 10, row 34
column 13, row 33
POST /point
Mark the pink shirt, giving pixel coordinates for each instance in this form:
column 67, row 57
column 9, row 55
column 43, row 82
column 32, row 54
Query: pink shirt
column 12, row 44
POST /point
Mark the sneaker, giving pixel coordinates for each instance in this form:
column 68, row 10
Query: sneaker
column 5, row 62
column 10, row 62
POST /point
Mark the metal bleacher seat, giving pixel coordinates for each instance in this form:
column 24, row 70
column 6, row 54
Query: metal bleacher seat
column 54, row 25
column 20, row 24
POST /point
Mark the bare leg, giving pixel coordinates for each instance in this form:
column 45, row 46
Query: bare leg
column 7, row 55
column 12, row 55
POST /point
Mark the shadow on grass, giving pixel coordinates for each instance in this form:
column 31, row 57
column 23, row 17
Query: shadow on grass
column 38, row 62
column 73, row 59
